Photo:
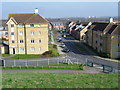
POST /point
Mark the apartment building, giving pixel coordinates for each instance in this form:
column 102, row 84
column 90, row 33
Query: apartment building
column 56, row 24
column 78, row 29
column 104, row 37
column 28, row 33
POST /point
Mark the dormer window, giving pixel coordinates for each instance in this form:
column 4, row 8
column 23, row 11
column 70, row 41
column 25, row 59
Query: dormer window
column 31, row 25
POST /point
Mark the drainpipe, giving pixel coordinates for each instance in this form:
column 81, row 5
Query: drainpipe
column 25, row 40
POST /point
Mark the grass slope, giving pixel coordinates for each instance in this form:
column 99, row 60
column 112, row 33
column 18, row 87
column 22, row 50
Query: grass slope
column 53, row 66
column 59, row 80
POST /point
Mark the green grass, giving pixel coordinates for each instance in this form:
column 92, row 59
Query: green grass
column 80, row 47
column 59, row 80
column 53, row 52
column 26, row 56
column 53, row 66
column 6, row 55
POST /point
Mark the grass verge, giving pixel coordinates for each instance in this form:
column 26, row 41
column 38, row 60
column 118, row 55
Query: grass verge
column 59, row 80
column 6, row 55
column 53, row 66
column 53, row 52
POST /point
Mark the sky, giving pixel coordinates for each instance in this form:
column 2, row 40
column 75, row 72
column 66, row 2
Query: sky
column 62, row 9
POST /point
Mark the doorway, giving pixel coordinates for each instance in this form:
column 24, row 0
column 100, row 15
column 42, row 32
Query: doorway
column 13, row 50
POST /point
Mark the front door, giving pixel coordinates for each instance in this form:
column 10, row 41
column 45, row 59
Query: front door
column 13, row 50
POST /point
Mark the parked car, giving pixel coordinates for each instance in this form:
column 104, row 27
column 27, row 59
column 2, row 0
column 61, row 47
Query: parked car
column 62, row 45
column 59, row 40
column 65, row 50
column 64, row 35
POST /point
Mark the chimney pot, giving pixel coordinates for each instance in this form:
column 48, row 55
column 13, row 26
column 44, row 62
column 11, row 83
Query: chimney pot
column 36, row 10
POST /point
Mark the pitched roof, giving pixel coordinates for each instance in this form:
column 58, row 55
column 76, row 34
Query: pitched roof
column 116, row 30
column 28, row 18
column 99, row 26
column 112, row 29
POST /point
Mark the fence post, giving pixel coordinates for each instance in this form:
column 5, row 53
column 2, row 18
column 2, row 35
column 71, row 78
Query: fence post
column 77, row 61
column 48, row 61
column 26, row 63
column 3, row 63
column 86, row 61
column 37, row 63
column 58, row 61
column 14, row 63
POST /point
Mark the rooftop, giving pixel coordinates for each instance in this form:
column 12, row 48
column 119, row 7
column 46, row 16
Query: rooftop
column 28, row 18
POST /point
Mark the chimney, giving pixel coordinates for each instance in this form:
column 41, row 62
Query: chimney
column 111, row 20
column 36, row 10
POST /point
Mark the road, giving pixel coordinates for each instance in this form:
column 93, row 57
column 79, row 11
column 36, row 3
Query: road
column 74, row 55
column 83, row 55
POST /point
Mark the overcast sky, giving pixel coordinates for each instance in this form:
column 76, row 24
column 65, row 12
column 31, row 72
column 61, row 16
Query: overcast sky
column 62, row 9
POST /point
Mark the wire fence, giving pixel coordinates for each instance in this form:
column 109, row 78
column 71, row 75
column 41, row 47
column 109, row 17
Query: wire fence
column 87, row 62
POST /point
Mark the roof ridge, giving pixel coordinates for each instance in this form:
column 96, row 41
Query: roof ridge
column 29, row 18
column 20, row 13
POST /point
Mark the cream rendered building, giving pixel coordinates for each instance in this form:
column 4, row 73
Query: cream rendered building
column 28, row 34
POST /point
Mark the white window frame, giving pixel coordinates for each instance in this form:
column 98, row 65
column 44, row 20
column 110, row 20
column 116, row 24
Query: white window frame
column 31, row 25
column 21, row 49
column 20, row 25
column 32, row 49
column 40, row 48
column 31, row 33
column 21, row 41
column 11, row 25
column 39, row 25
column 40, row 40
column 32, row 41
column 39, row 32
column 21, row 33
column 13, row 41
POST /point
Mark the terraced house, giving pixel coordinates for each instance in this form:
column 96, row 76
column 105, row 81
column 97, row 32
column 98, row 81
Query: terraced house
column 28, row 33
column 104, row 37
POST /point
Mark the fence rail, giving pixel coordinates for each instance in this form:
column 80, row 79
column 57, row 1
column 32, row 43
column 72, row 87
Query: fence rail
column 87, row 62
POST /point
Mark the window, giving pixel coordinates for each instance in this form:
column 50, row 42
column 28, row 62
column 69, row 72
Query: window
column 1, row 33
column 21, row 33
column 39, row 41
column 118, row 44
column 38, row 25
column 6, row 33
column 31, row 25
column 13, row 41
column 12, row 25
column 100, row 44
column 32, row 33
column 21, row 49
column 21, row 25
column 21, row 41
column 39, row 32
column 118, row 36
column 40, row 49
column 32, row 41
column 32, row 49
column 96, row 41
column 12, row 33
column 96, row 34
